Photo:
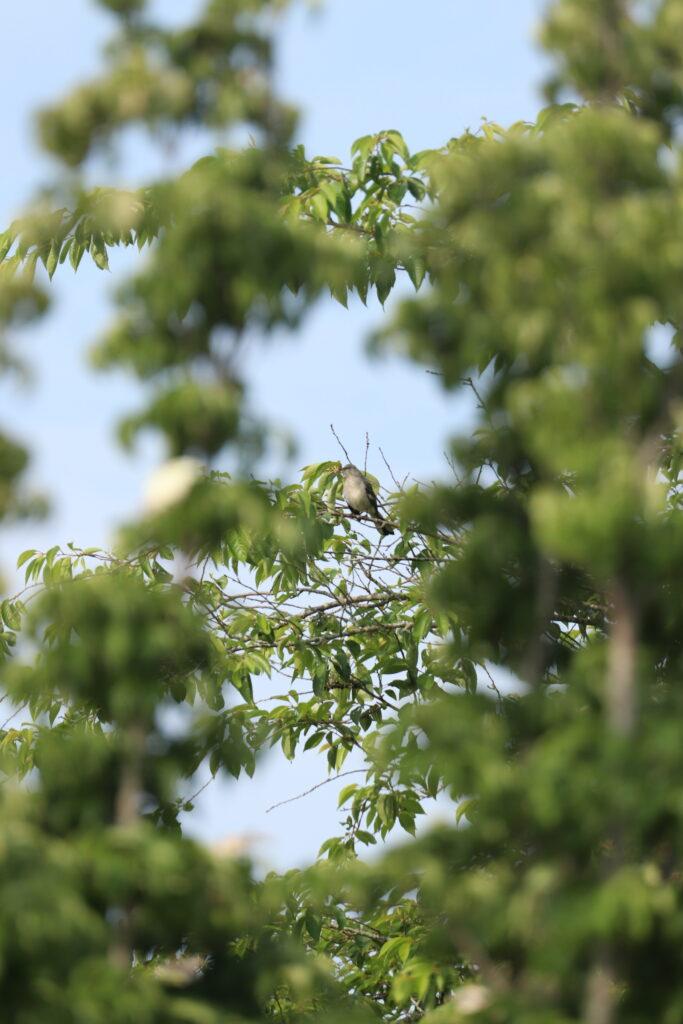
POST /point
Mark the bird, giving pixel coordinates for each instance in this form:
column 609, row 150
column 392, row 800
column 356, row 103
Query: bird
column 360, row 497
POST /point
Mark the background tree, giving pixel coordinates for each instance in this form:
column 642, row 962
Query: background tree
column 550, row 250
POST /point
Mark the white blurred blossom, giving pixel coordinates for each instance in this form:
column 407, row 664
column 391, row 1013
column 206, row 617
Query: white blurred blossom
column 170, row 483
column 471, row 999
column 180, row 971
column 235, row 845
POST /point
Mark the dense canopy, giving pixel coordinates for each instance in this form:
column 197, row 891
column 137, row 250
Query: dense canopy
column 237, row 614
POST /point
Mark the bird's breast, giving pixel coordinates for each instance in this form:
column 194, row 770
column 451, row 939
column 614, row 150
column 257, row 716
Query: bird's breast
column 355, row 495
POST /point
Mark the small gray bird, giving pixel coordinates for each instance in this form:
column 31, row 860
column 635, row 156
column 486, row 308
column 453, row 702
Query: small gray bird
column 360, row 497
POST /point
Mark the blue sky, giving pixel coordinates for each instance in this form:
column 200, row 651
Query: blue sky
column 353, row 67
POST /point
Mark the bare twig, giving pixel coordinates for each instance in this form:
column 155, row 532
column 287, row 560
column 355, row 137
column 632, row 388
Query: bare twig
column 391, row 472
column 13, row 715
column 348, row 457
column 367, row 447
column 367, row 932
column 340, row 775
column 343, row 602
column 492, row 684
column 470, row 384
column 191, row 799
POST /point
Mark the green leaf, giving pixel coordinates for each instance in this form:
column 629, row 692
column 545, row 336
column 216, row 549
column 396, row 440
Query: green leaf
column 422, row 624
column 10, row 614
column 313, row 925
column 288, row 744
column 342, row 206
column 346, row 792
column 314, row 740
column 397, row 191
column 469, row 675
column 320, row 207
column 386, row 809
column 464, row 809
column 341, row 293
column 384, row 285
column 432, row 781
column 52, row 260
column 6, row 242
column 362, row 148
column 331, row 191
column 397, row 143
column 415, row 268
column 76, row 254
column 66, row 249
column 24, row 557
column 98, row 252
column 398, row 945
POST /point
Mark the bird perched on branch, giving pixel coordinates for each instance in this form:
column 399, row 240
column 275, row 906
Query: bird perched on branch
column 360, row 497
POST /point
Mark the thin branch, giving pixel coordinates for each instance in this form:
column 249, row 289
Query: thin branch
column 364, row 930
column 391, row 472
column 340, row 775
column 344, row 602
column 348, row 457
column 470, row 384
column 378, row 696
column 492, row 684
column 14, row 714
column 191, row 799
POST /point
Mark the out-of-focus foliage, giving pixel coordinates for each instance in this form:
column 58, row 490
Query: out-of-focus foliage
column 236, row 614
column 20, row 302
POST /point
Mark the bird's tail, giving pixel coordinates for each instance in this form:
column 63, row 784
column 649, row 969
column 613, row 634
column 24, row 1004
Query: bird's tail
column 385, row 527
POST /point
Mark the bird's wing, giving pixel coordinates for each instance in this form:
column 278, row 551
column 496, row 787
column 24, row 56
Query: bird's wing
column 372, row 497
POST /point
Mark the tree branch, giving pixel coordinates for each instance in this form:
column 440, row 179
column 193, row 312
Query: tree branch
column 300, row 796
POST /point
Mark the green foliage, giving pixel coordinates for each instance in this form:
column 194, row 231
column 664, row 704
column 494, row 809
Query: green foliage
column 551, row 892
column 125, row 7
